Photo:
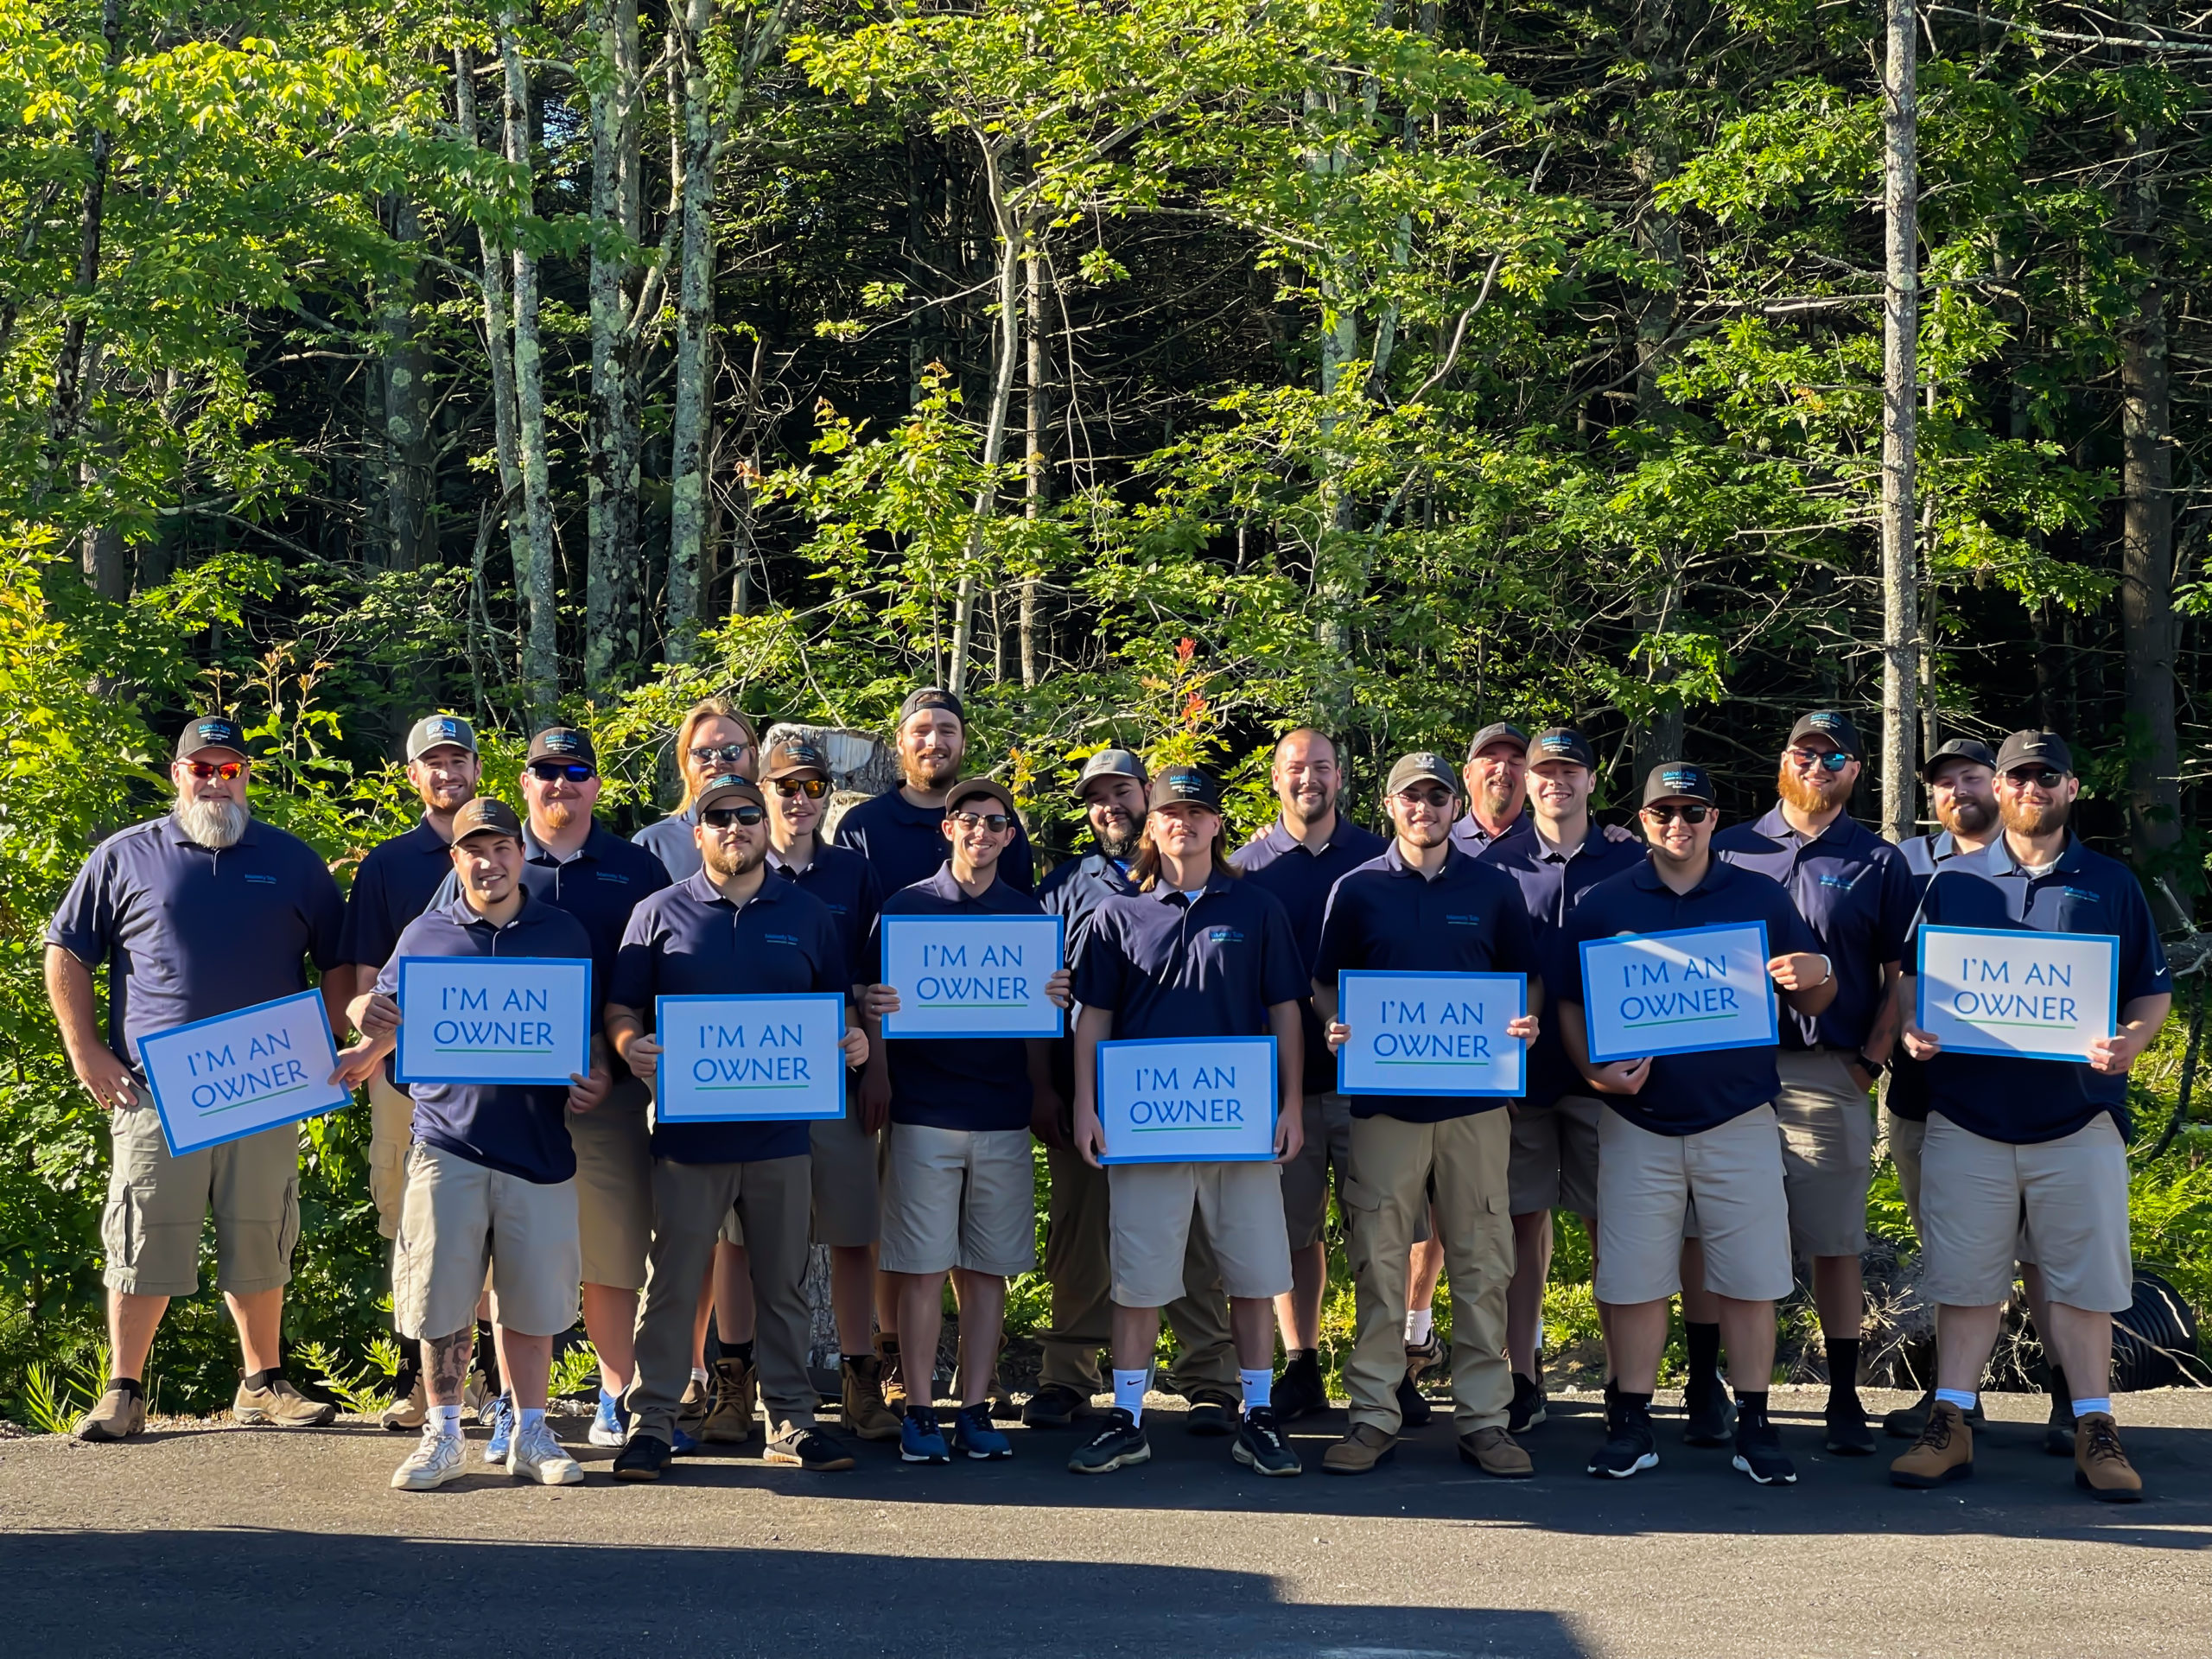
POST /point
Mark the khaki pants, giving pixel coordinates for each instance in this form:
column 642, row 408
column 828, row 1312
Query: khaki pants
column 1078, row 1264
column 1393, row 1166
column 391, row 1131
column 774, row 1197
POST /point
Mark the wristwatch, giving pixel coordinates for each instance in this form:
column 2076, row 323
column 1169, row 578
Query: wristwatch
column 1872, row 1068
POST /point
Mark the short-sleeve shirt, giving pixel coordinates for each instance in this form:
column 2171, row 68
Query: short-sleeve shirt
column 846, row 882
column 1855, row 892
column 1906, row 1095
column 1469, row 835
column 1468, row 919
column 190, row 932
column 517, row 1131
column 671, row 842
column 1167, row 967
column 392, row 885
column 1685, row 1094
column 688, row 940
column 1073, row 890
column 906, row 842
column 2021, row 1102
column 944, row 1084
column 1551, row 884
column 1280, row 863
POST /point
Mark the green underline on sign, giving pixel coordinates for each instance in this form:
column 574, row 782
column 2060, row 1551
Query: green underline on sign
column 1691, row 1019
column 971, row 1005
column 1432, row 1062
column 217, row 1111
column 743, row 1088
column 491, row 1051
column 2031, row 1024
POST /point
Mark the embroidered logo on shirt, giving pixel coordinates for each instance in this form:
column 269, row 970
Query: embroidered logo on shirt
column 2083, row 893
column 1463, row 921
column 1846, row 882
column 266, row 881
column 1224, row 936
column 609, row 875
column 780, row 939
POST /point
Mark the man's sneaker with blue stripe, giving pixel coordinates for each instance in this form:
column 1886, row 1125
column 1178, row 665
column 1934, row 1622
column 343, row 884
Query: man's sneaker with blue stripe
column 920, row 1440
column 503, row 1430
column 973, row 1435
column 612, row 1424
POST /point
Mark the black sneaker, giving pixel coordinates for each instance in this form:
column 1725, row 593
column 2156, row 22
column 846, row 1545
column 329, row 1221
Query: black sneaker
column 2058, row 1433
column 643, row 1457
column 1263, row 1448
column 1906, row 1422
column 1413, row 1410
column 1117, row 1445
column 1053, row 1407
column 1630, row 1448
column 1849, row 1434
column 1299, row 1392
column 1712, row 1414
column 1759, row 1454
column 1211, row 1418
column 1528, row 1407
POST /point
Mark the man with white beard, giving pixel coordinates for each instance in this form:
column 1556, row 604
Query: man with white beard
column 196, row 914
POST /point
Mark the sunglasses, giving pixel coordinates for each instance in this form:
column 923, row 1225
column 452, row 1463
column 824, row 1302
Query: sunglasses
column 721, row 818
column 556, row 772
column 229, row 771
column 1436, row 799
column 2041, row 777
column 1669, row 814
column 1833, row 760
column 996, row 822
column 727, row 754
column 813, row 788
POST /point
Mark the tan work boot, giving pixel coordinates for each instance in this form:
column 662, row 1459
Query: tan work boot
column 278, row 1406
column 1943, row 1452
column 733, row 1418
column 120, row 1414
column 1496, row 1452
column 2101, row 1467
column 865, row 1413
column 691, row 1410
column 404, row 1416
column 1358, row 1452
column 892, row 1373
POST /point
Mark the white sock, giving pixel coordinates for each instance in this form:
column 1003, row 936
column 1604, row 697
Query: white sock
column 1128, row 1392
column 1259, row 1389
column 699, row 1374
column 533, row 1415
column 2083, row 1407
column 1419, row 1321
column 447, row 1421
column 1962, row 1398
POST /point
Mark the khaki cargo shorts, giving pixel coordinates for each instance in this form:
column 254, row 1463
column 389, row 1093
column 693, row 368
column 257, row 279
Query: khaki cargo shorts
column 458, row 1215
column 157, row 1204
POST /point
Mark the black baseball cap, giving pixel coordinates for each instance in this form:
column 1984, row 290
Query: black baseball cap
column 1959, row 748
column 486, row 814
column 728, row 787
column 932, row 697
column 1674, row 780
column 970, row 789
column 1562, row 743
column 211, row 732
column 563, row 743
column 2035, row 748
column 1421, row 765
column 1180, row 784
column 1111, row 762
column 1831, row 726
column 1497, row 731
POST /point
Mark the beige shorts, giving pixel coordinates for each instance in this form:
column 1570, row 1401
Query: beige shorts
column 1645, row 1184
column 959, row 1199
column 1827, row 1152
column 1554, row 1163
column 457, row 1217
column 1239, row 1205
column 1305, row 1178
column 614, row 1186
column 391, row 1131
column 156, row 1206
column 1905, row 1137
column 848, row 1184
column 2073, row 1193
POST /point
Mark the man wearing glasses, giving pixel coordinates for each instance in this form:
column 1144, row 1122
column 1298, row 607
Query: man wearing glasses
column 1689, row 1130
column 198, row 913
column 1496, row 776
column 1856, row 893
column 2009, row 1136
column 713, row 740
column 727, row 930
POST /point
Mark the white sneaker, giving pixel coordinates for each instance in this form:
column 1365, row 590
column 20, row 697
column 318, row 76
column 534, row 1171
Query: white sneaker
column 536, row 1455
column 435, row 1459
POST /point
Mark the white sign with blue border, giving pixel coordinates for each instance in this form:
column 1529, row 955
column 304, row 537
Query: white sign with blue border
column 1187, row 1100
column 2035, row 996
column 1688, row 992
column 236, row 1074
column 749, row 1059
column 972, row 975
column 1430, row 1034
column 494, row 1020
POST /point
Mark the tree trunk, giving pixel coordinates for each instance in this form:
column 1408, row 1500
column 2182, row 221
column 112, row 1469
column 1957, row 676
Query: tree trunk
column 534, row 558
column 66, row 409
column 498, row 343
column 1037, row 478
column 407, row 451
column 688, row 503
column 1014, row 237
column 611, row 594
column 1900, row 410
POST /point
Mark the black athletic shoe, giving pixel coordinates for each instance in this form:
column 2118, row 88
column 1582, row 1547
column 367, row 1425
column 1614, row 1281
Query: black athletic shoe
column 1414, row 1409
column 1263, row 1448
column 2058, row 1433
column 1630, row 1448
column 1299, row 1392
column 643, row 1457
column 1712, row 1414
column 1907, row 1422
column 1528, row 1407
column 1849, row 1434
column 1211, row 1418
column 1119, row 1443
column 1759, row 1454
column 1053, row 1407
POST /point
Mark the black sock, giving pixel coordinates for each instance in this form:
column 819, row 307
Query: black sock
column 2059, row 1391
column 1704, row 1343
column 1843, row 1368
column 264, row 1379
column 128, row 1385
column 1295, row 1357
column 742, row 1352
column 1750, row 1408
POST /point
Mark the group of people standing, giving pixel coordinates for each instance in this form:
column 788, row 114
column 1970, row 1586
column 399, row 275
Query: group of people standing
column 515, row 1209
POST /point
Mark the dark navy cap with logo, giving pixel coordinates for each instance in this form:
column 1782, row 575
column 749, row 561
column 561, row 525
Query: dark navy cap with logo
column 2034, row 749
column 1562, row 743
column 932, row 697
column 210, row 732
column 1959, row 748
column 721, row 792
column 1499, row 731
column 1677, row 780
column 1184, row 784
column 1832, row 729
column 563, row 743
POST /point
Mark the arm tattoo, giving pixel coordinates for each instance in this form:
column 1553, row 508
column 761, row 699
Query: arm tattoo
column 448, row 1361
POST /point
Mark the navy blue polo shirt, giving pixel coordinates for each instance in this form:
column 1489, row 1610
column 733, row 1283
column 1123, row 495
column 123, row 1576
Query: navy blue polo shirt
column 688, row 940
column 1855, row 892
column 671, row 842
column 1469, row 835
column 1907, row 1094
column 939, row 1084
column 846, row 882
column 517, row 1131
column 188, row 932
column 1166, row 969
column 391, row 887
column 1073, row 889
column 1467, row 920
column 2020, row 1101
column 1278, row 862
column 906, row 842
column 1683, row 1093
column 1551, row 884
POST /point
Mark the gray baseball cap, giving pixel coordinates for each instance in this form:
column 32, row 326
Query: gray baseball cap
column 1112, row 763
column 436, row 731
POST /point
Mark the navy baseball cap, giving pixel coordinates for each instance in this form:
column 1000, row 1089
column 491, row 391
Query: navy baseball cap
column 1830, row 728
column 1678, row 780
column 2034, row 749
column 731, row 786
column 1180, row 784
column 211, row 732
column 1562, row 743
column 1499, row 731
column 1959, row 748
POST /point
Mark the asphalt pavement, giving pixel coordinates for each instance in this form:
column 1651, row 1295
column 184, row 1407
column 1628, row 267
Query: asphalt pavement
column 253, row 1543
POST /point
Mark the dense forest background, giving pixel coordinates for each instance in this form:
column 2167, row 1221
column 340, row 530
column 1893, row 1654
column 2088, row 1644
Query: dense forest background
column 1158, row 371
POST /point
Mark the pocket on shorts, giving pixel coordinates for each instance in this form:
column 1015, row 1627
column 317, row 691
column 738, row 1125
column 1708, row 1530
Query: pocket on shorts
column 288, row 1223
column 122, row 1227
column 1354, row 1195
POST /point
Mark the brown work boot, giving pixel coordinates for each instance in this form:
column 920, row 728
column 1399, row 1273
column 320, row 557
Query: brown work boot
column 1496, row 1452
column 865, row 1413
column 891, row 1373
column 120, row 1414
column 279, row 1406
column 1358, row 1452
column 405, row 1416
column 691, row 1410
column 1943, row 1452
column 2101, row 1467
column 733, row 1418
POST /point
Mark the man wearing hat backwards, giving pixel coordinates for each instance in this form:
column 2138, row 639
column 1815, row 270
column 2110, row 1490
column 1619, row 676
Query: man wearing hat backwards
column 2008, row 1135
column 197, row 913
column 727, row 930
column 1691, row 1129
column 1195, row 953
column 491, row 1179
column 1856, row 893
column 1425, row 905
column 1113, row 788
